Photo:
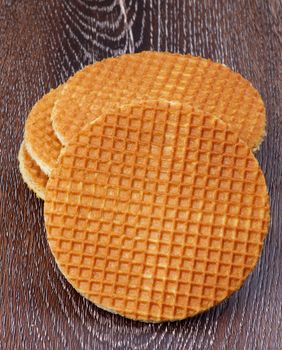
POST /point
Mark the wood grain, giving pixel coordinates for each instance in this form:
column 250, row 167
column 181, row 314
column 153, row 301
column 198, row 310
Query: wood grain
column 44, row 42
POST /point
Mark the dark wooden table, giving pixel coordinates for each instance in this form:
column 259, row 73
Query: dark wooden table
column 43, row 42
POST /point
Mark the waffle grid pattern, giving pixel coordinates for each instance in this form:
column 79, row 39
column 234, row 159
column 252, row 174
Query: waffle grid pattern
column 32, row 175
column 156, row 211
column 40, row 139
column 208, row 86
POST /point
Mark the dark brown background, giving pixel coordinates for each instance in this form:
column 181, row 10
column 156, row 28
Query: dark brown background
column 43, row 42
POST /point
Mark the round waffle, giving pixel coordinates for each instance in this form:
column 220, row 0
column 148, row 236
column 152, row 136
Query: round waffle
column 208, row 86
column 156, row 212
column 40, row 139
column 35, row 179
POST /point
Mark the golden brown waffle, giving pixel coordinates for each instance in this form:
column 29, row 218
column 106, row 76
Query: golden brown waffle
column 35, row 179
column 156, row 212
column 208, row 86
column 40, row 139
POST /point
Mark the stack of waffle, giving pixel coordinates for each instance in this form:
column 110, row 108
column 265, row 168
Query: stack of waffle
column 155, row 205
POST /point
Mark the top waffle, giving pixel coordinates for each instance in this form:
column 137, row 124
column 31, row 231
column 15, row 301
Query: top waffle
column 156, row 211
column 208, row 86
